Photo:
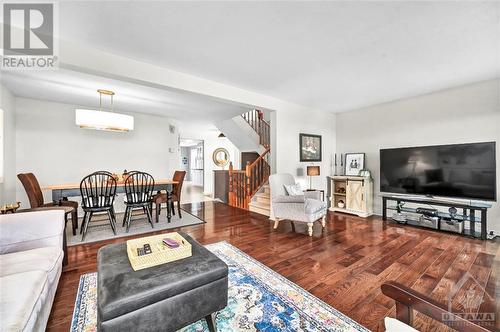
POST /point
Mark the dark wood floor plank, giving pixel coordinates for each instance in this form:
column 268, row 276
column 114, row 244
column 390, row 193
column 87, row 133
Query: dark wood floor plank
column 344, row 265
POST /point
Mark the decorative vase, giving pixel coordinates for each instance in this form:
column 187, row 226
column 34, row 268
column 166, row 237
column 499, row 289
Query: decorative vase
column 341, row 204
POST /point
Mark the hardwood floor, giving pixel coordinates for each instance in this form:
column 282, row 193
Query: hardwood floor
column 344, row 265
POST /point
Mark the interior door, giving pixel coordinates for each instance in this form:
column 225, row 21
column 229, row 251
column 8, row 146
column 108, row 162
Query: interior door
column 354, row 195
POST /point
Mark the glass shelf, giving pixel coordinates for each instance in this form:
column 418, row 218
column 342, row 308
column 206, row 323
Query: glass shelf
column 467, row 232
column 445, row 215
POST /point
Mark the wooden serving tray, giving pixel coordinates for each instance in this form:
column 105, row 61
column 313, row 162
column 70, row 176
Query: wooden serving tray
column 161, row 254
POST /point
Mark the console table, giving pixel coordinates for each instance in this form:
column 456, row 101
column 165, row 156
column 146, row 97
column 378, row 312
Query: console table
column 350, row 194
column 468, row 212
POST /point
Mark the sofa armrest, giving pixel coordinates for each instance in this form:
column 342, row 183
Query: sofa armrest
column 288, row 199
column 30, row 230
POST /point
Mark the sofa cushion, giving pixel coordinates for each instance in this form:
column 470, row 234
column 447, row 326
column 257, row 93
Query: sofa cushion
column 48, row 259
column 20, row 295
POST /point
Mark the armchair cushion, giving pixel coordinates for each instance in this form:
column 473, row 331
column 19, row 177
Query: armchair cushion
column 394, row 325
column 293, row 189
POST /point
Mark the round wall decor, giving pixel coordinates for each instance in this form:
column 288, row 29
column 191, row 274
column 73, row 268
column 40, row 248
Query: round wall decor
column 220, row 157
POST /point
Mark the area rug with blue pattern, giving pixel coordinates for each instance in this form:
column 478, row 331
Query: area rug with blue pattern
column 259, row 300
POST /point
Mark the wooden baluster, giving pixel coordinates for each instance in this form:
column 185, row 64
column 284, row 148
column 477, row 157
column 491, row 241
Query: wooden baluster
column 243, row 191
column 238, row 191
column 248, row 183
column 231, row 185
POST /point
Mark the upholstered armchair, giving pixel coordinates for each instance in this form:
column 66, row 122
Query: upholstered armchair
column 306, row 208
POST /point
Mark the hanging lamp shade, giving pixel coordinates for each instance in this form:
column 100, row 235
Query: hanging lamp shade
column 103, row 120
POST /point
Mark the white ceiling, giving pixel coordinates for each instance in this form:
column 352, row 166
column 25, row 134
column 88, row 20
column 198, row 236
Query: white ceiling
column 332, row 56
column 81, row 89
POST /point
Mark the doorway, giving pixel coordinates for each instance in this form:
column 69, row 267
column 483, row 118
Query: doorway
column 193, row 162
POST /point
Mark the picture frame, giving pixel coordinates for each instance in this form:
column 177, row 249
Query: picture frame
column 310, row 147
column 354, row 162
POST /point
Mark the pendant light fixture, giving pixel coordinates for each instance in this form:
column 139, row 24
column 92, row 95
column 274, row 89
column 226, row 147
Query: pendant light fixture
column 102, row 120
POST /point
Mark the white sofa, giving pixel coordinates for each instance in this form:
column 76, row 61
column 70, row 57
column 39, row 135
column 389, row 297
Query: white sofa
column 31, row 258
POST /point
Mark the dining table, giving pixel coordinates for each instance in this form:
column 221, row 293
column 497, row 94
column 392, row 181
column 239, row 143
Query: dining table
column 63, row 191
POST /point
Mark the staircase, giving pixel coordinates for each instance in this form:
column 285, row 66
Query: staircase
column 247, row 187
column 261, row 201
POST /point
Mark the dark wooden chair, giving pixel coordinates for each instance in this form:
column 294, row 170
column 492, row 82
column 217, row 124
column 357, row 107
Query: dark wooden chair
column 98, row 192
column 35, row 196
column 161, row 198
column 408, row 300
column 138, row 194
column 176, row 192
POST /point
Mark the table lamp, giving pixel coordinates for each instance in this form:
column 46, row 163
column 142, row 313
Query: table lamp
column 312, row 171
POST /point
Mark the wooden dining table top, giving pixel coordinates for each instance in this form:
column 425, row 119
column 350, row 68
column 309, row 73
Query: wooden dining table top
column 118, row 184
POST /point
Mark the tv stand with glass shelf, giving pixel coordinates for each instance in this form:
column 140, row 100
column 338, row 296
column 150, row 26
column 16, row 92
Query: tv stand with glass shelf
column 466, row 212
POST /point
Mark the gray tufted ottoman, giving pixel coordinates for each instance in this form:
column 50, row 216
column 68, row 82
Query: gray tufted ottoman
column 162, row 298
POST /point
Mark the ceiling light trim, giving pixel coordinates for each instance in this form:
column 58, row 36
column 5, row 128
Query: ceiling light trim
column 103, row 120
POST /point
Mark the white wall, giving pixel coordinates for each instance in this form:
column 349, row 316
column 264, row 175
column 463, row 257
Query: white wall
column 8, row 187
column 211, row 141
column 460, row 115
column 288, row 124
column 49, row 144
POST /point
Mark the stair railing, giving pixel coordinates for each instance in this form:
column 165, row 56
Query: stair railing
column 255, row 118
column 243, row 184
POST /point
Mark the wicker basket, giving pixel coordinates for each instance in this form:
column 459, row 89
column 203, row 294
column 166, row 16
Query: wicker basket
column 161, row 254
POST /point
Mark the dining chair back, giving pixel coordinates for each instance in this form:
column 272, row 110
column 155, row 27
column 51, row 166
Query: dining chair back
column 32, row 188
column 35, row 197
column 139, row 188
column 178, row 177
column 98, row 190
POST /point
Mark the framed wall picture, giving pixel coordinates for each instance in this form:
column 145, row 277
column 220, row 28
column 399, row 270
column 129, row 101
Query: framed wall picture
column 310, row 147
column 354, row 162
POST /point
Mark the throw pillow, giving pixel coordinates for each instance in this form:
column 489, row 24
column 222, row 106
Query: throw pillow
column 294, row 190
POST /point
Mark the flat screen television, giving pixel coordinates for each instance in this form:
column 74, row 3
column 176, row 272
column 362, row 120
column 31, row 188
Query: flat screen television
column 459, row 170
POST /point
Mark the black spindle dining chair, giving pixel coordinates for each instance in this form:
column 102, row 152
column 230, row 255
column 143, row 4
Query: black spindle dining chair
column 139, row 188
column 98, row 192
